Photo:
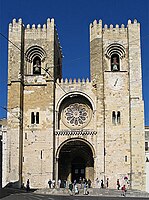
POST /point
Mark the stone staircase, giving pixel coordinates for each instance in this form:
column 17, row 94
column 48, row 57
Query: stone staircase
column 93, row 192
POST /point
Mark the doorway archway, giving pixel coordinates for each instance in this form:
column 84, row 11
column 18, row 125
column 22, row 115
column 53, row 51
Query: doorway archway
column 75, row 161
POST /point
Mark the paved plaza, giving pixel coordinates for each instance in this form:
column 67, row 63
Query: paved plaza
column 61, row 194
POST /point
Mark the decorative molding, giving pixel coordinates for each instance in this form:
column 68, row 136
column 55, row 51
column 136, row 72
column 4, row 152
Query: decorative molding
column 75, row 132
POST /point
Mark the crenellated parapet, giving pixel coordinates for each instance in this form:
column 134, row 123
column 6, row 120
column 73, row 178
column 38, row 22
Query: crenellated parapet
column 73, row 81
column 114, row 29
column 97, row 31
column 45, row 31
column 34, row 32
column 15, row 25
column 39, row 27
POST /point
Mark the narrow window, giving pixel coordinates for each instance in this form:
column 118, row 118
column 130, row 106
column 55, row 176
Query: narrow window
column 113, row 117
column 41, row 154
column 146, row 146
column 37, row 118
column 37, row 65
column 32, row 118
column 125, row 158
column 115, row 62
column 118, row 117
column 26, row 136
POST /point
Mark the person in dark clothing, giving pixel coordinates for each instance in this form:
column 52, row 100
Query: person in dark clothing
column 107, row 182
column 118, row 184
column 102, row 185
column 89, row 183
column 27, row 185
column 50, row 183
column 70, row 188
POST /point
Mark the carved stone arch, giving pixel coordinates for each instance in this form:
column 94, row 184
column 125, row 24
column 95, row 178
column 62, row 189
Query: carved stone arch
column 71, row 94
column 75, row 139
column 32, row 54
column 74, row 110
column 75, row 159
column 115, row 52
column 115, row 48
column 34, row 51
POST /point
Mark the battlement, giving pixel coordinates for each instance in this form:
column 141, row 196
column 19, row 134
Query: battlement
column 96, row 28
column 33, row 27
column 45, row 31
column 73, row 81
column 15, row 24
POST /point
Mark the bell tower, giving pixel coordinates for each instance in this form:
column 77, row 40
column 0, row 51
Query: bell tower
column 34, row 64
column 115, row 64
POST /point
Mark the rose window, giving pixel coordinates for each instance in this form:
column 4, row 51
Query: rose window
column 76, row 115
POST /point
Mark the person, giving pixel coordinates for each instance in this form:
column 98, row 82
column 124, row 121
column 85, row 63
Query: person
column 50, row 183
column 118, row 184
column 74, row 182
column 124, row 190
column 53, row 184
column 85, row 192
column 27, row 185
column 65, row 183
column 76, row 189
column 89, row 183
column 97, row 182
column 70, row 188
column 80, row 182
column 102, row 185
column 59, row 183
column 107, row 183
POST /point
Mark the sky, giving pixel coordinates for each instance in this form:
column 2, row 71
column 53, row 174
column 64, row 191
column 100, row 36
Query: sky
column 72, row 18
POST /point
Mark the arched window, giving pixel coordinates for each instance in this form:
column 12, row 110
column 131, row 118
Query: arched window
column 113, row 117
column 118, row 117
column 37, row 65
column 115, row 62
column 115, row 52
column 35, row 60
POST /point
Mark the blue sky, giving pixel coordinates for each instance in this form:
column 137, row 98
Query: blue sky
column 72, row 19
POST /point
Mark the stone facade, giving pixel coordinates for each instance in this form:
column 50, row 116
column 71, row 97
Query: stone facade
column 69, row 129
column 147, row 157
column 3, row 131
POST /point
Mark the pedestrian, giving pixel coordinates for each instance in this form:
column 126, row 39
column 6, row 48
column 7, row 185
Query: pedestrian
column 85, row 192
column 27, row 185
column 74, row 182
column 50, row 183
column 76, row 189
column 65, row 183
column 70, row 188
column 53, row 183
column 124, row 190
column 102, row 185
column 59, row 183
column 80, row 182
column 107, row 183
column 118, row 184
column 89, row 183
column 97, row 182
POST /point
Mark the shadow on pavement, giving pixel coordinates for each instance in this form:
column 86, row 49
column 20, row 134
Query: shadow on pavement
column 8, row 191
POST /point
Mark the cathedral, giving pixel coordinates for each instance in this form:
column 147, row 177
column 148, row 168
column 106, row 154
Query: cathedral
column 70, row 129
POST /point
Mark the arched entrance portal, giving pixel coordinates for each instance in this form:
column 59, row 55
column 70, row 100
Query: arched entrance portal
column 75, row 161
